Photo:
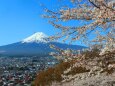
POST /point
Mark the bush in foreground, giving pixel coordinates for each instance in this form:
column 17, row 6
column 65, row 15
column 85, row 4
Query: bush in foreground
column 50, row 75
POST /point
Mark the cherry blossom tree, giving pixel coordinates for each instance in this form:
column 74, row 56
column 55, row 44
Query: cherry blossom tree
column 96, row 17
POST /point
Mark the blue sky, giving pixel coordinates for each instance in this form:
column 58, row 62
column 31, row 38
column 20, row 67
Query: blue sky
column 21, row 18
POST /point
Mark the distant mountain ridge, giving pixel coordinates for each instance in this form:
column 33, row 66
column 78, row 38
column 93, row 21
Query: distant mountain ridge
column 35, row 45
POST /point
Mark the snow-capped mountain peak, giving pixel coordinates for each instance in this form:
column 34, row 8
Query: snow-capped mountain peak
column 36, row 37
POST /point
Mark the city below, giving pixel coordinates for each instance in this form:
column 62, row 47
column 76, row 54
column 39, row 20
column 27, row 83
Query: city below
column 21, row 71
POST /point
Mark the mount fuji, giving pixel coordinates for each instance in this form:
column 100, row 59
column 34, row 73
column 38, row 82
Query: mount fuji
column 34, row 45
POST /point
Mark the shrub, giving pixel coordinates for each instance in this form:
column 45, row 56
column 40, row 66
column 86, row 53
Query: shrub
column 46, row 77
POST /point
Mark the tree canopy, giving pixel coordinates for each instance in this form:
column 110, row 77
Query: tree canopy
column 97, row 17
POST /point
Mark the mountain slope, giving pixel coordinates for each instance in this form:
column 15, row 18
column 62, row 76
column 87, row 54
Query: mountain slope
column 37, row 37
column 37, row 44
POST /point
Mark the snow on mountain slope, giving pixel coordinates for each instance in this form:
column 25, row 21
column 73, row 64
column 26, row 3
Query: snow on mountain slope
column 37, row 44
column 37, row 37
